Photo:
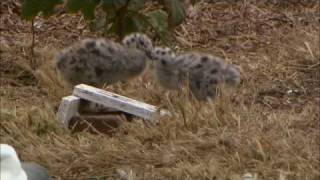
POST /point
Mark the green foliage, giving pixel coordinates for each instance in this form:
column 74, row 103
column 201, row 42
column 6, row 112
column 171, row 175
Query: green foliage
column 129, row 23
column 159, row 20
column 31, row 8
column 86, row 7
column 176, row 12
column 121, row 16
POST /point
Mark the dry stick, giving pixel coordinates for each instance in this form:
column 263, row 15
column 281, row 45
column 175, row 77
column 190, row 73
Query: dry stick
column 121, row 14
column 32, row 63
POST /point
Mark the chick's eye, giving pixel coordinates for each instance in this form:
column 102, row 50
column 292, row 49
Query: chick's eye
column 163, row 62
column 141, row 42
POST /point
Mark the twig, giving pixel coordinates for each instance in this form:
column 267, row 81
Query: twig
column 32, row 61
column 122, row 12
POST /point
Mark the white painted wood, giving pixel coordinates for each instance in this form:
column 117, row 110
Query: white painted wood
column 68, row 108
column 248, row 176
column 119, row 102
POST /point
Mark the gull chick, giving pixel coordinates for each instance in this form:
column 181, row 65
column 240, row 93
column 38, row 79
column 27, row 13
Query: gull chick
column 202, row 72
column 99, row 61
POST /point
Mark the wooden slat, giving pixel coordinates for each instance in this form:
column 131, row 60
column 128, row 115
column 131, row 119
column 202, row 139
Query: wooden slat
column 68, row 108
column 119, row 102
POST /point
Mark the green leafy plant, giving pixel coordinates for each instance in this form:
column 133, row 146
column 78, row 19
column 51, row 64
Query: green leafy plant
column 120, row 17
column 31, row 8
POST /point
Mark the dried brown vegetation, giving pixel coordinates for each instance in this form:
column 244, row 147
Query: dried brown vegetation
column 268, row 126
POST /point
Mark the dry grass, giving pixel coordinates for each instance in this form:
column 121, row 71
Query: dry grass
column 260, row 128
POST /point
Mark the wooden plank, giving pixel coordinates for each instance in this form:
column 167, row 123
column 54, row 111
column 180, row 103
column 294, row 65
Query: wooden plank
column 67, row 109
column 119, row 102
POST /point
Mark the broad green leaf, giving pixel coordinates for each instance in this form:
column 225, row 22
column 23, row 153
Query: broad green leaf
column 86, row 7
column 175, row 10
column 113, row 5
column 159, row 21
column 131, row 24
column 136, row 5
column 128, row 24
column 31, row 8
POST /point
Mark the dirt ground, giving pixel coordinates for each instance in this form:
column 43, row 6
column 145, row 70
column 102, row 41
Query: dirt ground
column 268, row 126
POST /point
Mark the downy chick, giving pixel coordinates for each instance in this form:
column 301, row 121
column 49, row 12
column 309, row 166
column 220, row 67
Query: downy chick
column 98, row 61
column 202, row 72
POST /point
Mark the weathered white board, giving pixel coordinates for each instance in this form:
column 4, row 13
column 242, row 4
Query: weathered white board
column 112, row 100
column 68, row 108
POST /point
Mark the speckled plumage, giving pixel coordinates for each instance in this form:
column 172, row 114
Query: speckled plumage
column 202, row 72
column 99, row 61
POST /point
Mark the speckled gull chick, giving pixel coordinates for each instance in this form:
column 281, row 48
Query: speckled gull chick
column 100, row 61
column 13, row 169
column 202, row 72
